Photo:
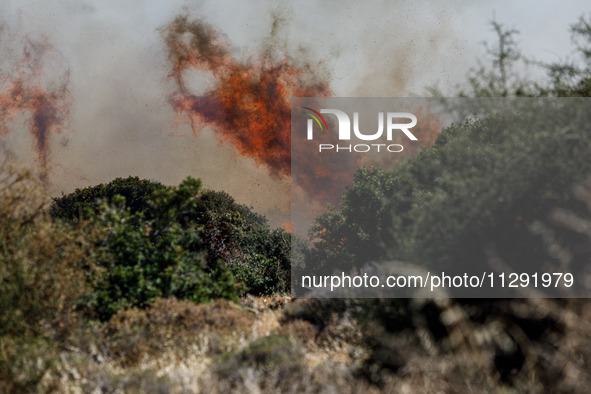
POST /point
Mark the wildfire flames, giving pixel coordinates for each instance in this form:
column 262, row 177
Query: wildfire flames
column 23, row 92
column 249, row 105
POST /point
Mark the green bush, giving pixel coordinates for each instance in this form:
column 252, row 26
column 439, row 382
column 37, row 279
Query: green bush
column 147, row 222
column 484, row 183
column 137, row 193
column 260, row 274
column 146, row 259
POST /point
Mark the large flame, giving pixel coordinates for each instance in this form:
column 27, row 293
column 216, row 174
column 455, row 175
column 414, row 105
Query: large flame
column 23, row 92
column 249, row 105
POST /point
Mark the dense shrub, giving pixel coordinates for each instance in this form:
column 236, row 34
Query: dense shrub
column 137, row 193
column 484, row 183
column 513, row 187
column 260, row 274
column 146, row 259
column 39, row 260
column 242, row 238
column 149, row 222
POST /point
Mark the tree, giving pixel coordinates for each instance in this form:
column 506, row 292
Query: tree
column 573, row 78
column 565, row 78
column 156, row 257
column 136, row 191
column 501, row 79
column 497, row 175
column 176, row 241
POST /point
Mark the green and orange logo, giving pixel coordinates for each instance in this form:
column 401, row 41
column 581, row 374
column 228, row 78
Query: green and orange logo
column 317, row 117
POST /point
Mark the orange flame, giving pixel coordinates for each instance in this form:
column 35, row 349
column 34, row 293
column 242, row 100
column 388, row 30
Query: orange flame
column 286, row 226
column 24, row 92
column 249, row 105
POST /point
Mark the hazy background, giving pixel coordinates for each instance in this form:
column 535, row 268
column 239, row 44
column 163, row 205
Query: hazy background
column 122, row 124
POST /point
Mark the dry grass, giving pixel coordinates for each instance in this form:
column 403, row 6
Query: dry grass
column 179, row 327
column 176, row 346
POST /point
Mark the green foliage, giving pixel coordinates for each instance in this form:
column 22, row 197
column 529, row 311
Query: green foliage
column 176, row 241
column 483, row 182
column 261, row 274
column 487, row 182
column 233, row 233
column 146, row 259
column 269, row 250
column 137, row 193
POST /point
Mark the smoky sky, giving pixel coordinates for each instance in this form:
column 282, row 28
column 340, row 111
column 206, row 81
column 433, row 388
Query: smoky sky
column 121, row 122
